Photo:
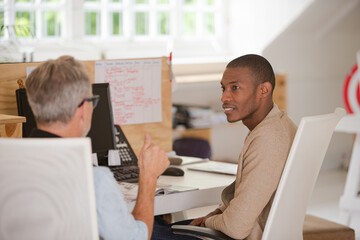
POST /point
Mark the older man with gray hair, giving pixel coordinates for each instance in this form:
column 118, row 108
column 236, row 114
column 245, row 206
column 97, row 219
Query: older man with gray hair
column 60, row 95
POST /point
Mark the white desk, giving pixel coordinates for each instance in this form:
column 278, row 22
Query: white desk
column 210, row 186
column 350, row 200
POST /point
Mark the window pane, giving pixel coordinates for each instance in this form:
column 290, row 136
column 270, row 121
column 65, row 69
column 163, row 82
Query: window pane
column 117, row 20
column 209, row 2
column 24, row 1
column 209, row 24
column 163, row 20
column 53, row 23
column 189, row 24
column 25, row 24
column 189, row 2
column 141, row 23
column 142, row 1
column 163, row 1
column 2, row 29
column 91, row 23
column 118, row 1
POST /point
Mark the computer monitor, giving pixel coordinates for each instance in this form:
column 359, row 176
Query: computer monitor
column 102, row 132
column 25, row 110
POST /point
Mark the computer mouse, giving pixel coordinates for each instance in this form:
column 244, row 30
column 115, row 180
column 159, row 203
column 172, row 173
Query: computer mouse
column 173, row 171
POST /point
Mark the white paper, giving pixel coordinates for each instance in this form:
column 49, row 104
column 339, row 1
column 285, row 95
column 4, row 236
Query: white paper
column 114, row 158
column 215, row 167
column 135, row 88
column 94, row 159
column 130, row 190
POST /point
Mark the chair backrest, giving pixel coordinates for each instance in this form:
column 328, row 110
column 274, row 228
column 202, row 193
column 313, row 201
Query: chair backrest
column 287, row 214
column 192, row 147
column 47, row 189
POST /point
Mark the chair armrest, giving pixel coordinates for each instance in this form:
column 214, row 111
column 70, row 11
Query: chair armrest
column 196, row 231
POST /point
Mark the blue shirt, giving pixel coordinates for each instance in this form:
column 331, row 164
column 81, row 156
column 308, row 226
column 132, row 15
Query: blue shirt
column 114, row 219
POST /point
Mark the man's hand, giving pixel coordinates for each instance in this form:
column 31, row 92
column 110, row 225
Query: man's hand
column 201, row 221
column 198, row 222
column 152, row 160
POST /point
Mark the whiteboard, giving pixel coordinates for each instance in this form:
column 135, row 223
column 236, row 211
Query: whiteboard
column 135, row 88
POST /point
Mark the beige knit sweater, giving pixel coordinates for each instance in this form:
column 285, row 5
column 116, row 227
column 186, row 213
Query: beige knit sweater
column 247, row 201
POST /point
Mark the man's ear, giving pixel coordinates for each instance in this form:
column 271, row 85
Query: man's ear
column 265, row 89
column 80, row 112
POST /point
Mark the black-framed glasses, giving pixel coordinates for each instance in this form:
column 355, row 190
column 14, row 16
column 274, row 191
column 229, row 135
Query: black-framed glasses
column 94, row 99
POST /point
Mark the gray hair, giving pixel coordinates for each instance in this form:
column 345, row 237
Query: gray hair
column 55, row 89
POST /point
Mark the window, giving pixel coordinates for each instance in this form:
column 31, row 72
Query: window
column 190, row 26
column 92, row 23
column 163, row 23
column 31, row 18
column 117, row 24
column 52, row 23
column 115, row 20
column 141, row 23
column 25, row 23
column 199, row 18
column 2, row 28
column 209, row 27
column 151, row 19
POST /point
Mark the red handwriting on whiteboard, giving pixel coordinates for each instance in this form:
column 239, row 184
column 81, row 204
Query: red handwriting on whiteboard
column 133, row 95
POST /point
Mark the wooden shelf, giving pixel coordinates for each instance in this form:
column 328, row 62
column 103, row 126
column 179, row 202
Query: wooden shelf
column 11, row 126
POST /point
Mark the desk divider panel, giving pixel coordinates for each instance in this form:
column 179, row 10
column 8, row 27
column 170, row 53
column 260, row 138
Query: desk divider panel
column 160, row 132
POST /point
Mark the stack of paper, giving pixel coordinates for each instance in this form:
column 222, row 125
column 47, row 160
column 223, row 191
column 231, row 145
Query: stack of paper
column 130, row 190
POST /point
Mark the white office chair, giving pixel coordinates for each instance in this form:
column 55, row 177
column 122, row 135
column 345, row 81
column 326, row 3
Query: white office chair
column 287, row 214
column 46, row 189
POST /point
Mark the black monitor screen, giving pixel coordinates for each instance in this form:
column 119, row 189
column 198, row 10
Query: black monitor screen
column 102, row 125
column 25, row 110
column 102, row 132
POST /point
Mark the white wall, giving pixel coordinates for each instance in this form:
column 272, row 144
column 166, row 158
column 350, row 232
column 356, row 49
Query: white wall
column 314, row 44
column 253, row 24
column 316, row 53
column 227, row 141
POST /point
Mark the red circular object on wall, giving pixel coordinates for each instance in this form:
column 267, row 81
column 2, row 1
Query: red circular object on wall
column 351, row 91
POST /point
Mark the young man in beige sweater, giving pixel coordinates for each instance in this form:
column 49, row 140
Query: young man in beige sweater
column 247, row 84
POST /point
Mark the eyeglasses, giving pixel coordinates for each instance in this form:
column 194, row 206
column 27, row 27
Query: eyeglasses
column 94, row 99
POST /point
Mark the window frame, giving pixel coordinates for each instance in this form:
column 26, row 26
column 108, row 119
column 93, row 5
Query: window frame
column 130, row 44
column 36, row 8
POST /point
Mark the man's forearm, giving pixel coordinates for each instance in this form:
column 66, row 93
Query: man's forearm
column 144, row 207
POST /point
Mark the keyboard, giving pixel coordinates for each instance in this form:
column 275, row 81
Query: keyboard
column 125, row 173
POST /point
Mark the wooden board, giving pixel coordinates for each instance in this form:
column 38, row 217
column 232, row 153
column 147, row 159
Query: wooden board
column 11, row 126
column 202, row 133
column 279, row 94
column 160, row 132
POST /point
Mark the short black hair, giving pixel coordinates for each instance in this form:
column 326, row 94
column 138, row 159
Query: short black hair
column 259, row 67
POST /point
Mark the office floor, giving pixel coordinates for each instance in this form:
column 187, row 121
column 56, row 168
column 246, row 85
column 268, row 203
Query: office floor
column 324, row 201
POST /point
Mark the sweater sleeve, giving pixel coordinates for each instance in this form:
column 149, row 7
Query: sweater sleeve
column 263, row 164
